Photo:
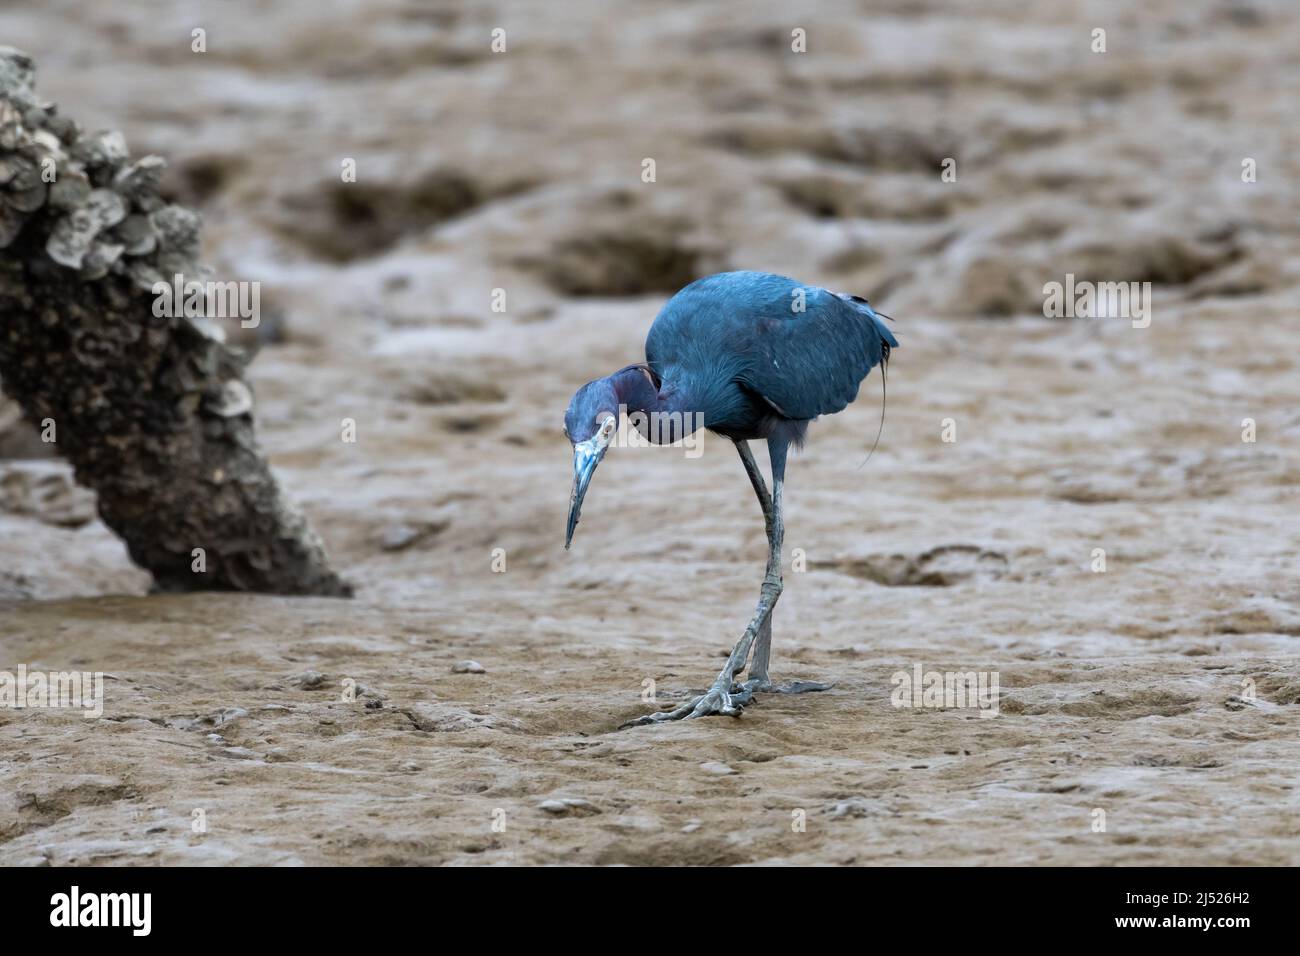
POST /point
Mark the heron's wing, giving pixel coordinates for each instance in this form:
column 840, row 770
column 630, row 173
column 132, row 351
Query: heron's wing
column 811, row 362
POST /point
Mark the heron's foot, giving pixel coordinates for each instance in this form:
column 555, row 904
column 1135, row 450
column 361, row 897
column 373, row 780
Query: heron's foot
column 762, row 685
column 719, row 699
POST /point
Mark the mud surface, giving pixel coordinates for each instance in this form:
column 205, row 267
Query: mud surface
column 1163, row 691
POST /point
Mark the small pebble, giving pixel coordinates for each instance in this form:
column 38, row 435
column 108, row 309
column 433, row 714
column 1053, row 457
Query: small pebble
column 852, row 807
column 567, row 805
column 468, row 667
column 399, row 536
column 715, row 767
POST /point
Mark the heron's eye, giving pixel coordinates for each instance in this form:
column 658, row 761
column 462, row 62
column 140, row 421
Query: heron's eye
column 607, row 425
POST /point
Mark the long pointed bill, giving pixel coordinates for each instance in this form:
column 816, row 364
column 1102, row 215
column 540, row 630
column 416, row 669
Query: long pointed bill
column 586, row 456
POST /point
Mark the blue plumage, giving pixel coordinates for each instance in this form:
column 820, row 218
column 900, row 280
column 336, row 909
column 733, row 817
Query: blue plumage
column 750, row 347
column 747, row 355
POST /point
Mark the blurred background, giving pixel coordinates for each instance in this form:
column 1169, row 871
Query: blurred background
column 522, row 171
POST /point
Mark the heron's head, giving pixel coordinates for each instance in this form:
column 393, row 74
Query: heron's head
column 589, row 423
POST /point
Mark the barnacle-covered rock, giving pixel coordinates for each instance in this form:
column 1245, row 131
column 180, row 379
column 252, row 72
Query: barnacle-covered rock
column 21, row 174
column 137, row 234
column 9, row 168
column 235, row 398
column 27, row 200
column 11, row 223
column 206, row 328
column 143, row 274
column 159, row 414
column 101, row 257
column 97, row 211
column 104, row 148
column 73, row 235
column 139, row 181
column 62, row 128
column 17, row 76
column 70, row 189
column 176, row 225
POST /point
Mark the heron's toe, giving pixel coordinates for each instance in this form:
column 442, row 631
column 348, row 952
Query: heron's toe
column 800, row 687
column 719, row 700
column 716, row 701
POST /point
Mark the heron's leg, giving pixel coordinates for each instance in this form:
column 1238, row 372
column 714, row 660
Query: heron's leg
column 718, row 699
column 763, row 644
column 772, row 513
column 762, row 652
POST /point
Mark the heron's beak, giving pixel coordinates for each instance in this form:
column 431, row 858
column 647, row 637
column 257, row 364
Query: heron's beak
column 586, row 456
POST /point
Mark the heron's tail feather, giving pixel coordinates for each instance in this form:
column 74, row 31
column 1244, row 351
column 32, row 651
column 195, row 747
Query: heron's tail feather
column 882, row 330
column 884, row 400
column 886, row 344
column 882, row 333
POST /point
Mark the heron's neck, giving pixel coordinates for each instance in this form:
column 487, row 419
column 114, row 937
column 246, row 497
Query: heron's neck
column 635, row 390
column 670, row 411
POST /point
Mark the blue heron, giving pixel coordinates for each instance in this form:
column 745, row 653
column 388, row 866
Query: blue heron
column 747, row 355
